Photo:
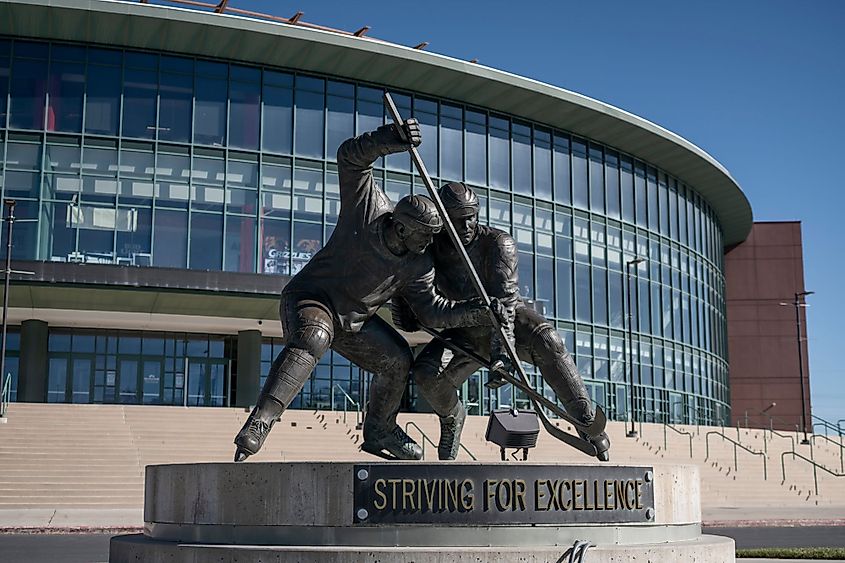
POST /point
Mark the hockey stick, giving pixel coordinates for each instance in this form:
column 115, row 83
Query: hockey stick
column 600, row 420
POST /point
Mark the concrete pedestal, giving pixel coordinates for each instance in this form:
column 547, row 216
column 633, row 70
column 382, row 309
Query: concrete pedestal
column 307, row 512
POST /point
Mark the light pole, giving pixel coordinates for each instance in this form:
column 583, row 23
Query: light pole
column 10, row 203
column 632, row 433
column 798, row 304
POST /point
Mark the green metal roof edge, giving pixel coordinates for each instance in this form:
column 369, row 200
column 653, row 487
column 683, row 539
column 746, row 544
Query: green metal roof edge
column 198, row 33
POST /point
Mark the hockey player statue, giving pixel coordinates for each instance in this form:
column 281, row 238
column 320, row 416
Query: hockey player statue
column 439, row 373
column 376, row 251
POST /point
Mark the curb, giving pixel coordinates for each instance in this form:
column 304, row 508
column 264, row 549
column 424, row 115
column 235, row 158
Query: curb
column 782, row 523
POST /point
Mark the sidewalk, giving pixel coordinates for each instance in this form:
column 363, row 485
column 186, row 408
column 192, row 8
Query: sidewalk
column 753, row 516
column 71, row 519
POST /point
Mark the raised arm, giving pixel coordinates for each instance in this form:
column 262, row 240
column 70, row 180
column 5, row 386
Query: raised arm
column 355, row 157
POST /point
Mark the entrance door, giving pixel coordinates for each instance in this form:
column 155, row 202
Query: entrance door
column 153, row 381
column 128, row 376
column 82, row 376
column 207, row 383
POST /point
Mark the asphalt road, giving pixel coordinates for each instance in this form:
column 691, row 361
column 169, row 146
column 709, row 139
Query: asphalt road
column 814, row 536
column 94, row 548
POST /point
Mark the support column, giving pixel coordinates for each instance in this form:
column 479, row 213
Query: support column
column 249, row 368
column 33, row 366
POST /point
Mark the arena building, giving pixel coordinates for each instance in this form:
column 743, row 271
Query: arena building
column 173, row 167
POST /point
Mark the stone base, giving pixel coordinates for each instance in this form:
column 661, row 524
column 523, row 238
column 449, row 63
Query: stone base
column 135, row 548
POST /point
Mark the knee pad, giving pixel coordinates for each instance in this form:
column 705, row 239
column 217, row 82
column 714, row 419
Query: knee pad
column 313, row 335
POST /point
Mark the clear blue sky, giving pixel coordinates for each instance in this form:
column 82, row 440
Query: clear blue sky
column 760, row 85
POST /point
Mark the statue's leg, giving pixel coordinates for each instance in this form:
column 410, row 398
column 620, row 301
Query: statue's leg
column 382, row 351
column 538, row 342
column 308, row 332
column 439, row 374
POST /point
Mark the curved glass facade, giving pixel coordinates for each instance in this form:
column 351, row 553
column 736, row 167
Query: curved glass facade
column 149, row 159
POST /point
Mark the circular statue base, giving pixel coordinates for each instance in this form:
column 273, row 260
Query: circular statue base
column 420, row 513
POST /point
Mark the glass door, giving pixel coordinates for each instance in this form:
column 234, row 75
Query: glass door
column 471, row 394
column 207, row 382
column 82, row 379
column 128, row 374
column 153, row 382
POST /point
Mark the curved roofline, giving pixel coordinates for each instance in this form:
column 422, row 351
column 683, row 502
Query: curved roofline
column 187, row 31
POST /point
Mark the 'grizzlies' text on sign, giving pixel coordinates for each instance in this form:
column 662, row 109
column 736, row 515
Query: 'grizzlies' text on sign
column 502, row 494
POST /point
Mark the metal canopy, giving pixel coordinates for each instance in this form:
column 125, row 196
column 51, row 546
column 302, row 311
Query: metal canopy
column 178, row 30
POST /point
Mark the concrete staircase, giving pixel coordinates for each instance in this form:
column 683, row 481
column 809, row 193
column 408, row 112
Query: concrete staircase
column 93, row 456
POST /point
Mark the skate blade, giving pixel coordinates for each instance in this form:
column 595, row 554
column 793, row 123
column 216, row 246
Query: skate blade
column 378, row 452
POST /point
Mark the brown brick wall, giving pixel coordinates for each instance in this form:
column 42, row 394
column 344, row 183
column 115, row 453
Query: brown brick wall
column 760, row 273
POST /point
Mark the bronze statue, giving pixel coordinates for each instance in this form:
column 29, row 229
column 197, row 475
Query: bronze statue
column 439, row 372
column 376, row 251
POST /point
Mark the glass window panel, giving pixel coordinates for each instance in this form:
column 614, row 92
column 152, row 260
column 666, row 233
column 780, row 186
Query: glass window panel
column 139, row 103
column 563, row 235
column 99, row 190
column 615, row 293
column 563, row 295
column 476, row 148
column 66, row 86
column 99, row 161
column 562, row 167
column 23, row 156
column 626, row 178
column 396, row 188
column 500, row 159
column 243, row 174
column 277, row 130
column 4, row 78
column 141, row 60
column 340, row 116
column 25, row 184
column 176, row 93
column 275, row 246
column 308, row 194
column 583, row 309
column 673, row 212
column 207, row 171
column 426, row 113
column 244, row 112
column 663, row 202
column 206, row 241
column 500, row 214
column 28, row 93
column 308, row 240
column 62, row 158
column 402, row 160
column 96, row 232
column 241, row 201
column 600, row 296
column 59, row 244
column 207, row 198
column 134, row 242
column 240, row 244
column 542, row 164
column 451, row 142
column 580, row 193
column 310, row 106
column 596, row 180
column 57, row 380
column 521, row 152
column 210, row 107
column 102, row 99
column 525, row 272
column 275, row 205
column 612, row 184
column 652, row 197
column 640, row 195
column 170, row 249
column 544, row 295
column 104, row 56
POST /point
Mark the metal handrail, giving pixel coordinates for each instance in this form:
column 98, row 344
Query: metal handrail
column 735, row 443
column 811, row 462
column 425, row 439
column 682, row 432
column 348, row 399
column 826, row 424
column 771, row 418
column 838, row 445
column 6, row 395
column 776, row 433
